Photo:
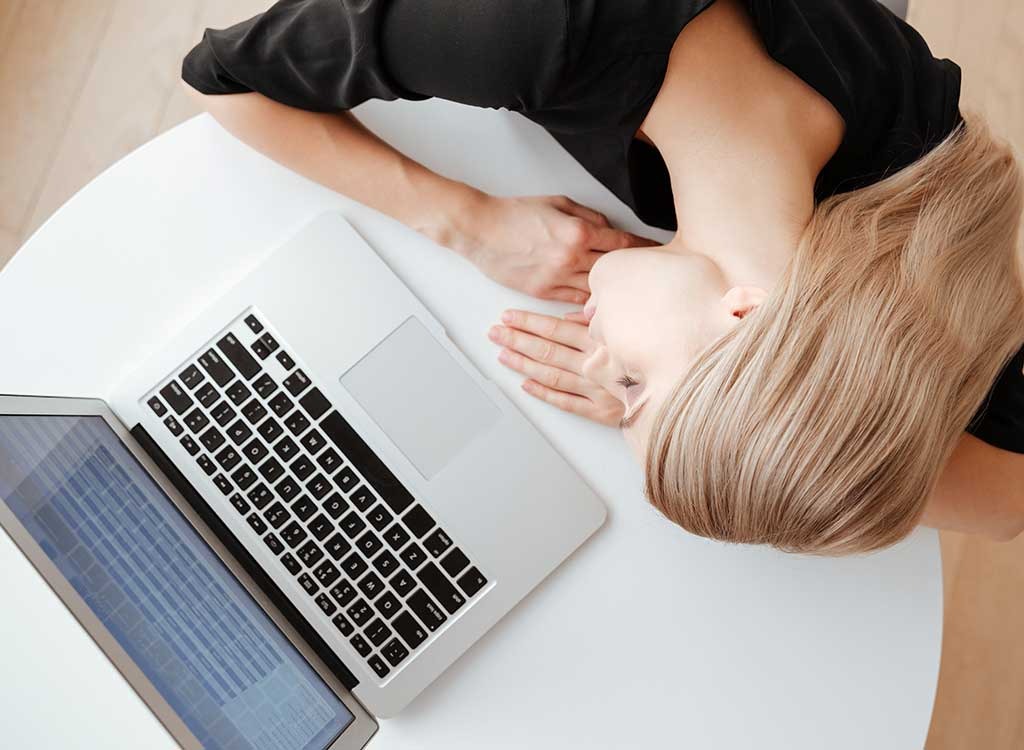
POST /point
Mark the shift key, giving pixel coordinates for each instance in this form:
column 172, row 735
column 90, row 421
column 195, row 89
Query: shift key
column 442, row 589
column 244, row 362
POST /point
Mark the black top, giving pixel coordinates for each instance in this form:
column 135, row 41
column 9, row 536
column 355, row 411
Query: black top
column 588, row 71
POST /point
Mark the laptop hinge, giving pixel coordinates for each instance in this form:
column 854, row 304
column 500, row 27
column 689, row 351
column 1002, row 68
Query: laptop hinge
column 238, row 550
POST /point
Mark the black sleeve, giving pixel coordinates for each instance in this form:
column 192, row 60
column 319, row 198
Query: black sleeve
column 330, row 55
column 999, row 421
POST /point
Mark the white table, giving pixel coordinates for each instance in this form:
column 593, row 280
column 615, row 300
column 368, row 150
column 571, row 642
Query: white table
column 646, row 638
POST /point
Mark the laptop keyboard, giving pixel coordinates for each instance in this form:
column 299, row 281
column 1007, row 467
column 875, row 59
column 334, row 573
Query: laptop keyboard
column 374, row 560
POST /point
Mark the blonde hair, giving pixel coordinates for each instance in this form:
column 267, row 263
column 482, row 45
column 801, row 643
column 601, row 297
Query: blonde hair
column 822, row 421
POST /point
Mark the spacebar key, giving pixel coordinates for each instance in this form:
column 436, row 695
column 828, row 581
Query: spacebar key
column 239, row 356
column 443, row 591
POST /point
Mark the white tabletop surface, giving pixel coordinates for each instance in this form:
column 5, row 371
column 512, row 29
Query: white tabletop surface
column 646, row 638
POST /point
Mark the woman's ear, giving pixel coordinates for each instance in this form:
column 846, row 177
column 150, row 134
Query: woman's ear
column 740, row 300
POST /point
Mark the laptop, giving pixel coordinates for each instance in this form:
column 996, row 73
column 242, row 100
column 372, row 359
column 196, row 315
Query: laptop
column 296, row 513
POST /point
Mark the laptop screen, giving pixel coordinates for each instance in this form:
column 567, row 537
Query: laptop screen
column 173, row 606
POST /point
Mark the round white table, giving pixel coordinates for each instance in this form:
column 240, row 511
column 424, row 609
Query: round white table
column 646, row 638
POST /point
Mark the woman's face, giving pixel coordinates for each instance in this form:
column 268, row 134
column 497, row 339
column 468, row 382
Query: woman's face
column 651, row 311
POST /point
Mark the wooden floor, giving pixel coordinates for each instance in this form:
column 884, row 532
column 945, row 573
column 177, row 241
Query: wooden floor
column 83, row 82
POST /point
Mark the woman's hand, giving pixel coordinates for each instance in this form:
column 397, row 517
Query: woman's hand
column 550, row 351
column 544, row 246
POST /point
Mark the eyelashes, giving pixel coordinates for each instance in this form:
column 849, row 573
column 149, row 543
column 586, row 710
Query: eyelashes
column 626, row 382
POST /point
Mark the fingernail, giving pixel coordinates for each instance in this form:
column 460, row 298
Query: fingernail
column 494, row 333
column 507, row 316
column 503, row 355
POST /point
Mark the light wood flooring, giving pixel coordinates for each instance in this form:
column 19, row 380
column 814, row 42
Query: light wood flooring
column 83, row 82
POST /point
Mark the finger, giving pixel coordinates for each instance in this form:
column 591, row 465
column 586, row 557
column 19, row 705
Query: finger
column 573, row 208
column 552, row 376
column 560, row 399
column 548, row 327
column 537, row 348
column 566, row 294
column 579, row 280
column 588, row 259
column 609, row 238
column 577, row 316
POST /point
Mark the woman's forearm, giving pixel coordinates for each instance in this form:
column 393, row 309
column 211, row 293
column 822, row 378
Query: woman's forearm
column 337, row 151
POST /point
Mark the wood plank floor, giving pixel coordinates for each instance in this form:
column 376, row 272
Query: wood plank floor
column 83, row 82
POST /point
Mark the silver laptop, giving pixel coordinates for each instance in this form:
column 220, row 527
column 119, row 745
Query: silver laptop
column 299, row 512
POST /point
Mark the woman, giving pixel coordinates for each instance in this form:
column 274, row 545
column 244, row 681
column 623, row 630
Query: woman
column 798, row 366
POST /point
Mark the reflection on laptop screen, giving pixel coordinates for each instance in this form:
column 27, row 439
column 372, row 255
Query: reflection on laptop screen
column 172, row 605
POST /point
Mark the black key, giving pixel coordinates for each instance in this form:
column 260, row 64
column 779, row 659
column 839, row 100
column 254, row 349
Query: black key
column 176, row 397
column 287, row 449
column 254, row 411
column 191, row 377
column 329, row 461
column 247, row 367
column 335, row 505
column 296, row 422
column 173, row 425
column 239, row 432
column 437, row 542
column 347, row 440
column 260, row 350
column 264, row 385
column 222, row 413
column 396, row 536
column 254, row 324
column 377, row 631
column 310, row 553
column 308, row 584
column 402, row 582
column 281, row 404
column 385, row 563
column 206, row 465
column 343, row 593
column 429, row 613
column 223, row 484
column 321, row 527
column 418, row 521
column 239, row 502
column 257, row 523
column 302, row 467
column 271, row 469
column 273, row 544
column 287, row 488
column 212, row 439
column 454, row 562
column 195, row 420
column 410, row 630
column 314, row 440
column 291, row 563
column 449, row 597
column 352, row 524
column 347, row 481
column 327, row 573
column 315, row 403
column 342, row 624
column 260, row 495
column 270, row 342
column 369, row 543
column 286, row 361
column 190, row 445
column 371, row 585
column 207, row 395
column 277, row 514
column 294, row 534
column 360, row 612
column 318, row 486
column 472, row 581
column 326, row 605
column 271, row 430
column 413, row 556
column 216, row 367
column 362, row 497
column 379, row 517
column 354, row 565
column 388, row 605
column 157, row 406
column 238, row 393
column 256, row 451
column 304, row 507
column 394, row 652
column 244, row 476
column 378, row 665
column 228, row 458
column 296, row 383
column 360, row 645
column 337, row 546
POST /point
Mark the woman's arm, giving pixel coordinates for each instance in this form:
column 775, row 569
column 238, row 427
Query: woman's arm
column 980, row 491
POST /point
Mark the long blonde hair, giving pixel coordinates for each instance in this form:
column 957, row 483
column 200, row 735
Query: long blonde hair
column 821, row 422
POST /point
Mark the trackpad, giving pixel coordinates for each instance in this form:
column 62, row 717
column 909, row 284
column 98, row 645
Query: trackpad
column 420, row 396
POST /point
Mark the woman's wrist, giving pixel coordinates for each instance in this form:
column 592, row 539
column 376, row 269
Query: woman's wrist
column 452, row 218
